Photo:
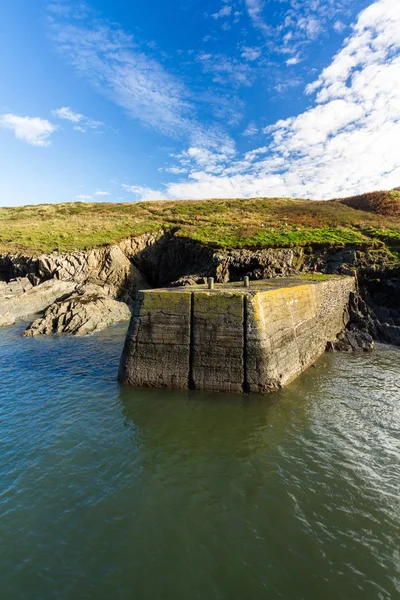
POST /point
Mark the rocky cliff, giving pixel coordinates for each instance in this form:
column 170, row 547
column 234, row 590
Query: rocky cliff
column 57, row 285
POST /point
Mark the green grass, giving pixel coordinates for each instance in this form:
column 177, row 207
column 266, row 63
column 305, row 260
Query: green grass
column 232, row 223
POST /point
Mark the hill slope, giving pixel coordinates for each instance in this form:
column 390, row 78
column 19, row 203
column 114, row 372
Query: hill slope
column 381, row 203
column 233, row 223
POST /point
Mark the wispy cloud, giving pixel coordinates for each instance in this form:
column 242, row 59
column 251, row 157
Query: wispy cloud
column 119, row 68
column 83, row 197
column 34, row 130
column 224, row 12
column 251, row 53
column 114, row 64
column 255, row 10
column 177, row 170
column 251, row 130
column 102, row 193
column 300, row 23
column 142, row 192
column 294, row 60
column 66, row 113
column 225, row 69
column 347, row 142
column 339, row 26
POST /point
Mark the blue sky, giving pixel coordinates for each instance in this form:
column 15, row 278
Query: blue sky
column 122, row 101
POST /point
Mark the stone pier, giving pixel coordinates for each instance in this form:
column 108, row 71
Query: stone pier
column 233, row 338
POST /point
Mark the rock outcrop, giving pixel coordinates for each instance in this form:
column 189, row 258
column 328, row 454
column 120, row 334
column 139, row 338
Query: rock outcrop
column 14, row 287
column 34, row 300
column 356, row 337
column 111, row 265
column 98, row 286
column 88, row 310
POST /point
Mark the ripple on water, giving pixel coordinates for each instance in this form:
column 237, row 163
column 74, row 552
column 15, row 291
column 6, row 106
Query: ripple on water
column 109, row 492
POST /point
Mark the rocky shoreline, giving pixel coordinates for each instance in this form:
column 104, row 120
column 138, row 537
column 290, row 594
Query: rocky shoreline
column 84, row 292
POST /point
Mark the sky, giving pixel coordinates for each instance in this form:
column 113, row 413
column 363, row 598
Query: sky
column 124, row 100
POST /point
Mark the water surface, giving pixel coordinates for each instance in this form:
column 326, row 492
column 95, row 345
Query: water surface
column 117, row 493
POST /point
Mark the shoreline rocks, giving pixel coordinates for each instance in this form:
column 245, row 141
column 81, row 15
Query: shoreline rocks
column 89, row 309
column 36, row 299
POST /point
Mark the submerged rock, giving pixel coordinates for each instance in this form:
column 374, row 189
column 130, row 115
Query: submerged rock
column 89, row 309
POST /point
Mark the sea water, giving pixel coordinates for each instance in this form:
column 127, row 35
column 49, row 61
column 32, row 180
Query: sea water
column 108, row 492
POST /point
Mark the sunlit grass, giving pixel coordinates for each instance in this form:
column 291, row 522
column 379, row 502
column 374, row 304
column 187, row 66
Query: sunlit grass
column 233, row 223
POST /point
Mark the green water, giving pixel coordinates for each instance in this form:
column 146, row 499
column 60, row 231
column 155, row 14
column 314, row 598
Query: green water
column 110, row 493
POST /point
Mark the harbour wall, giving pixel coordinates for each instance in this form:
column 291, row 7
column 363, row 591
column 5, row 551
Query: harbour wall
column 231, row 338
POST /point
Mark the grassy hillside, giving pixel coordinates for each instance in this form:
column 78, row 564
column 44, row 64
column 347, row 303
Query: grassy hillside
column 230, row 223
column 381, row 203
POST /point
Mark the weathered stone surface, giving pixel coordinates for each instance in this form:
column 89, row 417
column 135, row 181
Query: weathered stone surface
column 217, row 341
column 34, row 300
column 88, row 310
column 288, row 329
column 157, row 346
column 254, row 339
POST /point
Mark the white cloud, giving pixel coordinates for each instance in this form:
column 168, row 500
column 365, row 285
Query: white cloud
column 255, row 9
column 375, row 38
column 300, row 23
column 83, row 197
column 346, row 143
column 34, row 130
column 339, row 26
column 67, row 113
column 176, row 170
column 224, row 12
column 61, row 9
column 293, row 61
column 250, row 54
column 250, row 130
column 102, row 193
column 311, row 27
column 143, row 192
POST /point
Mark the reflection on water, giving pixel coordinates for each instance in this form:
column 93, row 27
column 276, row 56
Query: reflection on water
column 109, row 492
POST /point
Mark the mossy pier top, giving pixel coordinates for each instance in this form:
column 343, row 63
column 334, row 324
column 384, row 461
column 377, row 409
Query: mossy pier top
column 255, row 286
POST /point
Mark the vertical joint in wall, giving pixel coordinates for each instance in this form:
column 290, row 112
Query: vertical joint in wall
column 191, row 382
column 245, row 384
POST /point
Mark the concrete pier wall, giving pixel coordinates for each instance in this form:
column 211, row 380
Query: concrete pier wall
column 234, row 339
